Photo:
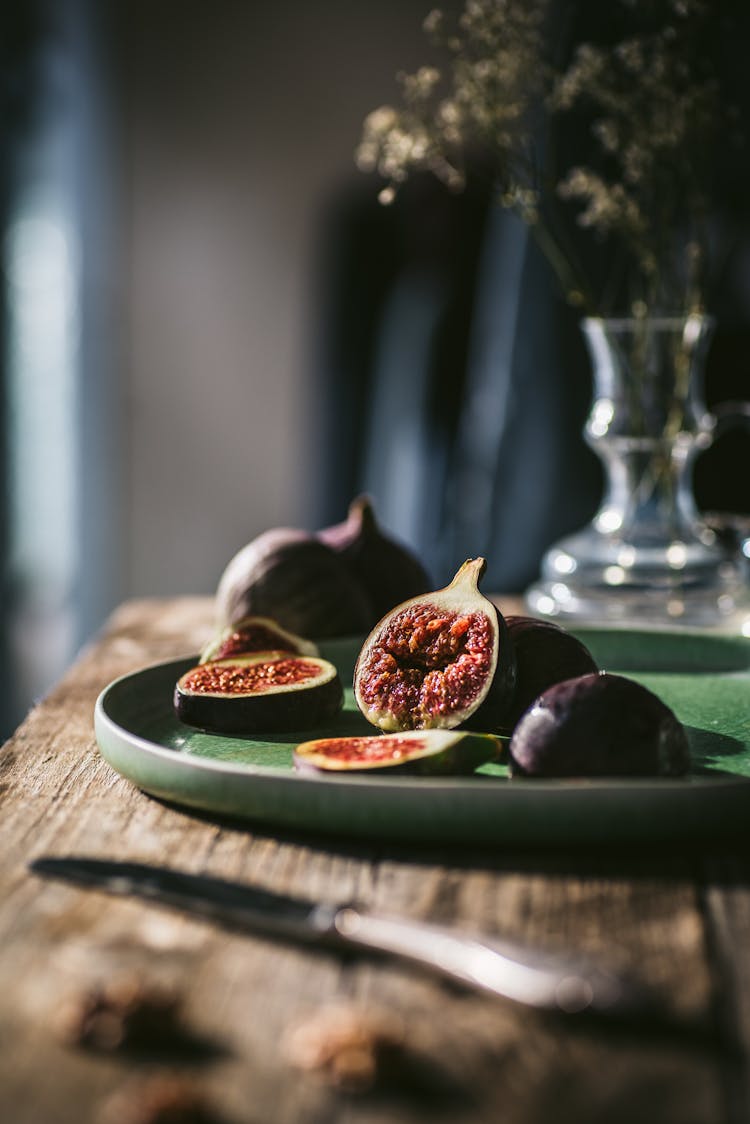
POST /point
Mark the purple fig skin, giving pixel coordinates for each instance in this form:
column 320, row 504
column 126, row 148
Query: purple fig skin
column 491, row 716
column 600, row 725
column 545, row 654
column 294, row 578
column 388, row 572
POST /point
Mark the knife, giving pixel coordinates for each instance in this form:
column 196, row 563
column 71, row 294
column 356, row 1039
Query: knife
column 570, row 985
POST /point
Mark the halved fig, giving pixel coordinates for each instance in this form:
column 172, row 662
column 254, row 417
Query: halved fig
column 422, row 752
column 438, row 661
column 266, row 692
column 255, row 634
column 601, row 725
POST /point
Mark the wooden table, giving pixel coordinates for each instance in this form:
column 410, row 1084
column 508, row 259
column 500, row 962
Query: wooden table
column 679, row 920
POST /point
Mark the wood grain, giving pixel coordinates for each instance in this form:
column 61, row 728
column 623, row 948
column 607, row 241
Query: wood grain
column 679, row 920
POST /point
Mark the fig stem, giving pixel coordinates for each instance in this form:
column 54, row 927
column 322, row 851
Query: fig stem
column 362, row 511
column 470, row 572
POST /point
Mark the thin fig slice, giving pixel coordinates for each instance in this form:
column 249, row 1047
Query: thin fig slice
column 387, row 570
column 294, row 578
column 255, row 634
column 423, row 752
column 601, row 725
column 438, row 661
column 545, row 654
column 269, row 692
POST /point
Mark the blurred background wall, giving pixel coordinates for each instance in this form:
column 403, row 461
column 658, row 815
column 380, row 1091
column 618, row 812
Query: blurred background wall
column 166, row 167
column 239, row 122
column 210, row 327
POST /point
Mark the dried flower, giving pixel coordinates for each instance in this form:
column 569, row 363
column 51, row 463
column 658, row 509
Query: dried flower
column 348, row 1047
column 610, row 135
column 120, row 1014
column 160, row 1098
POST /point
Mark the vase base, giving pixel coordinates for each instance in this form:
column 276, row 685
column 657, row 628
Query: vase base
column 726, row 608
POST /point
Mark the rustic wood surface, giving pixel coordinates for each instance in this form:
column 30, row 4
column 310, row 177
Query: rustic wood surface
column 679, row 919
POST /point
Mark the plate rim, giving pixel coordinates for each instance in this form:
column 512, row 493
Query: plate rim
column 105, row 725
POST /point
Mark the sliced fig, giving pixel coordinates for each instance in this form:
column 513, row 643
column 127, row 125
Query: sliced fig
column 545, row 654
column 255, row 634
column 387, row 570
column 601, row 725
column 440, row 660
column 266, row 692
column 297, row 580
column 422, row 752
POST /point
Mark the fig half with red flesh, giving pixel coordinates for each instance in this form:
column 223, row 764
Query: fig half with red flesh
column 270, row 692
column 438, row 661
column 255, row 634
column 420, row 752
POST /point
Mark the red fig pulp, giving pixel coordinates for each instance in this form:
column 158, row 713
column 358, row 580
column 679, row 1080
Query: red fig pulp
column 438, row 661
column 423, row 752
column 255, row 634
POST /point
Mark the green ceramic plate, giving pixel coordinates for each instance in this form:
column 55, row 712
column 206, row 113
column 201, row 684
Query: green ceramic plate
column 704, row 678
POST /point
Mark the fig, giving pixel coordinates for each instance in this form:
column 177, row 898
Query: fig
column 598, row 725
column 298, row 581
column 255, row 634
column 440, row 660
column 545, row 654
column 388, row 572
column 265, row 692
column 422, row 752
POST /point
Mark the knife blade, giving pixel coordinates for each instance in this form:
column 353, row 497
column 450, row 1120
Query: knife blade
column 567, row 984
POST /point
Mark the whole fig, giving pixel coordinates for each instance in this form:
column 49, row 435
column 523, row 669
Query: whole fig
column 440, row 660
column 545, row 654
column 600, row 725
column 388, row 571
column 298, row 581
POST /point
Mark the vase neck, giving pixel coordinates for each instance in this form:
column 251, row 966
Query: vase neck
column 648, row 375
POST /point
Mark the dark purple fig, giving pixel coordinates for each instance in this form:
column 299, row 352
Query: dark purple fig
column 600, row 725
column 255, row 634
column 268, row 692
column 388, row 572
column 297, row 580
column 423, row 752
column 545, row 654
column 440, row 660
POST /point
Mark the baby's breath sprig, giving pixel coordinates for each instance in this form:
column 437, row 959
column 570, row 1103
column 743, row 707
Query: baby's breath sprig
column 610, row 138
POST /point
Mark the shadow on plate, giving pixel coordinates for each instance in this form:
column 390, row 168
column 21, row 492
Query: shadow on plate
column 709, row 749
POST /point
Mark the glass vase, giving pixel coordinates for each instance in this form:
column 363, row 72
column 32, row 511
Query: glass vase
column 648, row 556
